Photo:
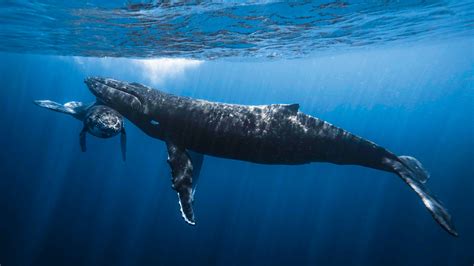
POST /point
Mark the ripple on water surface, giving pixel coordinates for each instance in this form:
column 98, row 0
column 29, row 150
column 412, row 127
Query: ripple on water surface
column 224, row 29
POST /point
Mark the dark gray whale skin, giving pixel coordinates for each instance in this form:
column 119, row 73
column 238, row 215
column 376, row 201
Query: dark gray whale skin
column 266, row 134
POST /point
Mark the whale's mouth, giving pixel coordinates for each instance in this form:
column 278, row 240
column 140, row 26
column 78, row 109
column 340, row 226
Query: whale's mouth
column 116, row 94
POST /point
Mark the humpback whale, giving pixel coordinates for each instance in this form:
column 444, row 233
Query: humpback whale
column 265, row 134
column 99, row 120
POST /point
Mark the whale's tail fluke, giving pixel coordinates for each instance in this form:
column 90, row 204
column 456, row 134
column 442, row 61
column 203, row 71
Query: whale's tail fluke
column 413, row 173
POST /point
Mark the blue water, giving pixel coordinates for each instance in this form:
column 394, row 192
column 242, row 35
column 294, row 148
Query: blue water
column 413, row 95
column 226, row 28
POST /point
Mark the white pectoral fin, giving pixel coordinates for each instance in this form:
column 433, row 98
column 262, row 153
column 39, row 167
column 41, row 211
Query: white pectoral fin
column 54, row 106
column 186, row 205
column 182, row 178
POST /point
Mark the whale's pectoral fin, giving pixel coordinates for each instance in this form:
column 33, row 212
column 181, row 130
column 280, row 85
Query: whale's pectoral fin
column 123, row 143
column 82, row 139
column 182, row 172
column 68, row 108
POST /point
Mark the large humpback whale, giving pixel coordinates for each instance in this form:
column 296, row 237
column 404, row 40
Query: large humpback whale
column 266, row 134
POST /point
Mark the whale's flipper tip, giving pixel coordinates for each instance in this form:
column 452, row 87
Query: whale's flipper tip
column 413, row 173
column 182, row 173
column 186, row 206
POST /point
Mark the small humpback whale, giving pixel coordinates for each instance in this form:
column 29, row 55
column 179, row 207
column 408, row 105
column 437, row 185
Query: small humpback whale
column 264, row 134
column 99, row 120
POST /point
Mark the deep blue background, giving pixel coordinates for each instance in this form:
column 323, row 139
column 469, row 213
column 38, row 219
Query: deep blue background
column 62, row 207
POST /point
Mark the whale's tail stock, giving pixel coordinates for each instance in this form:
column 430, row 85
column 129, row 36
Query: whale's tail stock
column 413, row 173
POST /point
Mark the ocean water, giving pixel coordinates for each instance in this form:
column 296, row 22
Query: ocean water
column 399, row 74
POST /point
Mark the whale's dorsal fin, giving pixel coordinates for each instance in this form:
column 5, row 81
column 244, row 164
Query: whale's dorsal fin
column 184, row 171
column 294, row 107
column 291, row 109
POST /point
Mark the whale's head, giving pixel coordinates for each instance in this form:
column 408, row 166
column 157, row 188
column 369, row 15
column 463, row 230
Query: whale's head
column 103, row 122
column 138, row 103
column 127, row 98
